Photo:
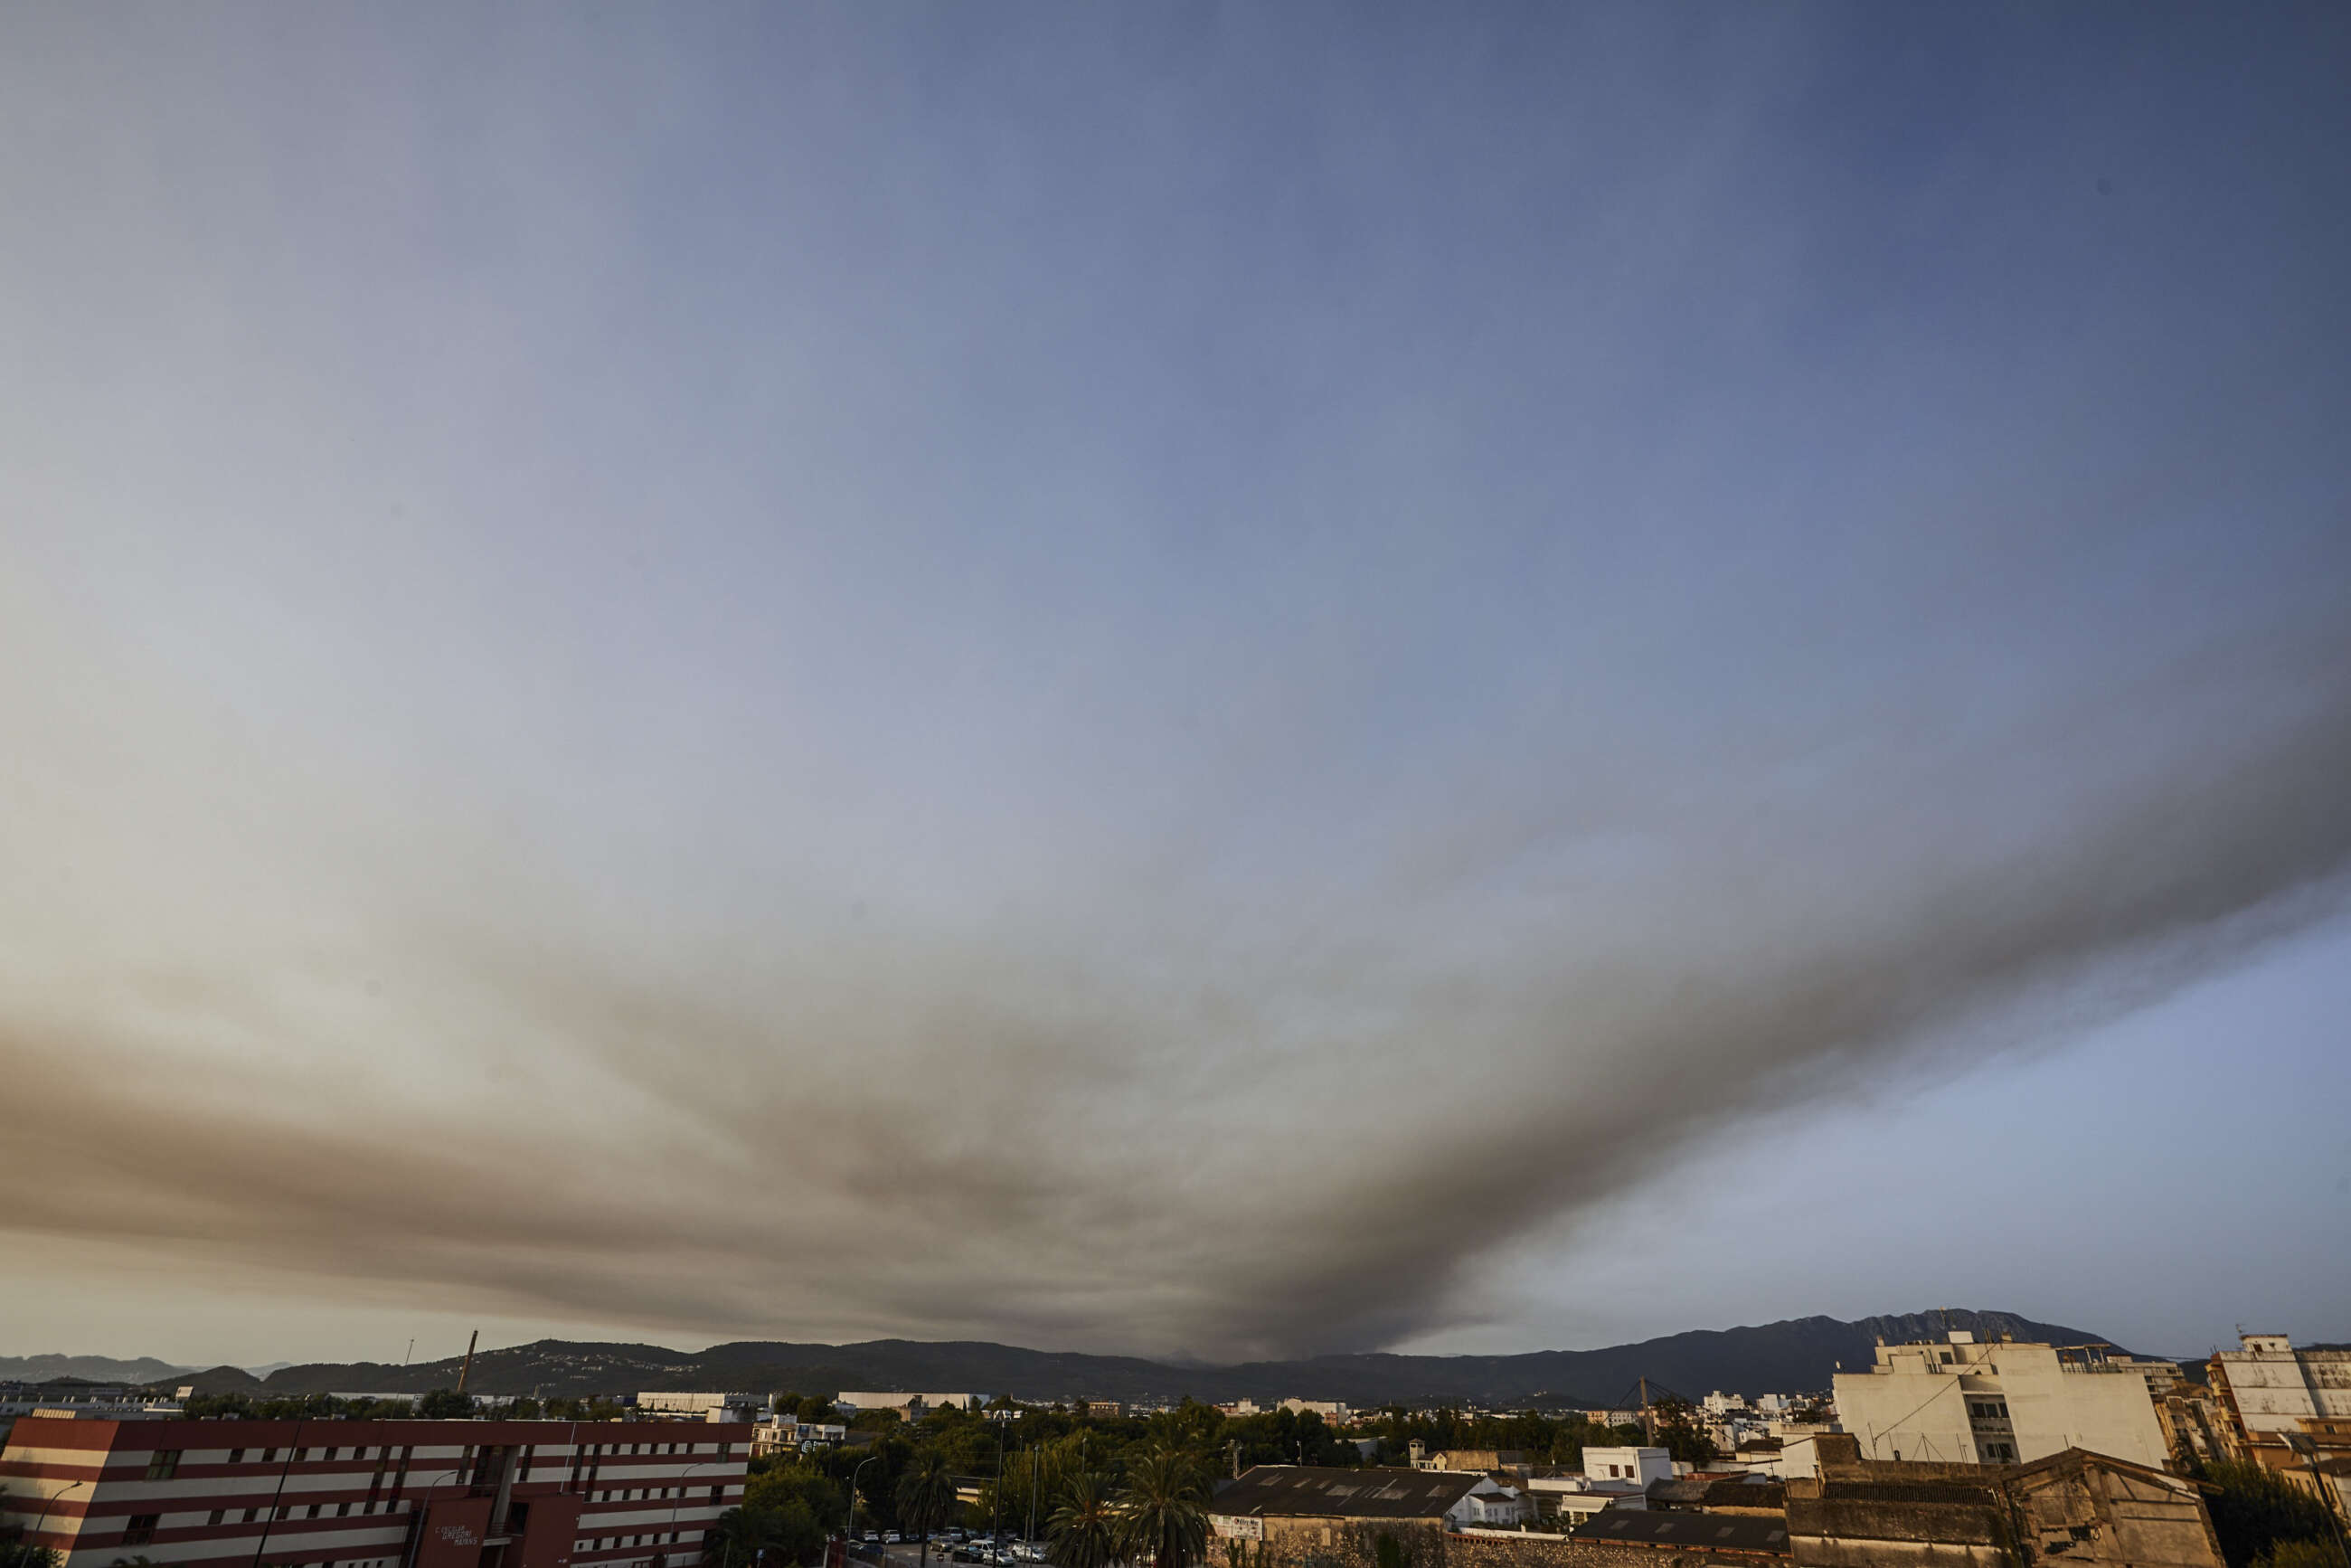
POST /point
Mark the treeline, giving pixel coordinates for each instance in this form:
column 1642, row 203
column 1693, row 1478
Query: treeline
column 441, row 1404
column 1034, row 1466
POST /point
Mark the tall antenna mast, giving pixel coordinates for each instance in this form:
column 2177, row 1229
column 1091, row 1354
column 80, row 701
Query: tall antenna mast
column 467, row 1370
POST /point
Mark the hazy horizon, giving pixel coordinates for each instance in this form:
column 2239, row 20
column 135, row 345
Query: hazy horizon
column 1211, row 680
column 1175, row 1359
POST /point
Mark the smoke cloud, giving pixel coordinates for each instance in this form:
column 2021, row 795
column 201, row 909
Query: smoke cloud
column 1061, row 685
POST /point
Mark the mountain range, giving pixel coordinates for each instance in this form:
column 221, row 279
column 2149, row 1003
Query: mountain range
column 1795, row 1354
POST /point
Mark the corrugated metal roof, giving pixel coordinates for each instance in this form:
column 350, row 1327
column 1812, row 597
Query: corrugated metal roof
column 1697, row 1531
column 1317, row 1492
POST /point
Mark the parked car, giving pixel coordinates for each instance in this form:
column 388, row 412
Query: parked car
column 889, row 1537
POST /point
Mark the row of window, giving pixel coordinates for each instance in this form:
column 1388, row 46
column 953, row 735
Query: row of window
column 622, row 1542
column 632, row 1494
column 142, row 1527
column 165, row 1463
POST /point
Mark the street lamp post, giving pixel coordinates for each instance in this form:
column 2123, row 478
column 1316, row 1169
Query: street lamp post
column 277, row 1498
column 673, row 1507
column 850, row 1533
column 420, row 1506
column 2308, row 1451
column 996, row 1498
column 51, row 1499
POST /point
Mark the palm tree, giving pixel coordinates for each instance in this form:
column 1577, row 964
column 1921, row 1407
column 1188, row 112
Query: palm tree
column 1084, row 1528
column 926, row 1492
column 1163, row 1509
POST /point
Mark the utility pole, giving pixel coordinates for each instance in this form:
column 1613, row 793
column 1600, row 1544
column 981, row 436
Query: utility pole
column 467, row 1370
column 1649, row 1416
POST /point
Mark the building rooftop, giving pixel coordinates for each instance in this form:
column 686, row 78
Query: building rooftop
column 1315, row 1490
column 1695, row 1531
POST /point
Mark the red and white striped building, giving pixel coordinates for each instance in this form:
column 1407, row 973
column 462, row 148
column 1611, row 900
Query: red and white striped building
column 372, row 1494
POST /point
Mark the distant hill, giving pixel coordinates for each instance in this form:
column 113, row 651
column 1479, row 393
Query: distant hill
column 88, row 1368
column 1796, row 1355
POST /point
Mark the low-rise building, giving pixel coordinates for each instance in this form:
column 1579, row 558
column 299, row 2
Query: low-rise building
column 1331, row 1410
column 912, row 1406
column 76, row 1401
column 783, row 1434
column 2072, row 1507
column 2002, row 1402
column 2290, row 1410
column 1424, row 1458
column 1683, row 1539
column 370, row 1494
column 1568, row 1501
column 722, row 1407
column 1283, row 1514
column 1638, row 1466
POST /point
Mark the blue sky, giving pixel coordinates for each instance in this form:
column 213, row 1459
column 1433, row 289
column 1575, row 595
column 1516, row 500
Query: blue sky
column 1222, row 679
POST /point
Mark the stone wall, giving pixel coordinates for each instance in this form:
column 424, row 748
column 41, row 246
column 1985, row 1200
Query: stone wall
column 1342, row 1544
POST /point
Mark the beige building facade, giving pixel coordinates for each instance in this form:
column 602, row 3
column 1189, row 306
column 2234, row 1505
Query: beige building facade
column 2001, row 1402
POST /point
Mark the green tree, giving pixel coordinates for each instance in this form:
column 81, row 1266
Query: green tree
column 1163, row 1509
column 446, row 1405
column 816, row 1408
column 925, row 1495
column 780, row 1486
column 22, row 1554
column 2322, row 1553
column 1680, row 1434
column 2254, row 1508
column 1084, row 1530
column 786, row 1532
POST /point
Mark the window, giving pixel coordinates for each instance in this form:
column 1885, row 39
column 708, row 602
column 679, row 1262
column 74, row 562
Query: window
column 717, row 1493
column 236, row 1456
column 251, row 1514
column 141, row 1529
column 314, row 1511
column 330, row 1456
column 163, row 1464
column 268, row 1456
column 300, row 1455
column 343, row 1511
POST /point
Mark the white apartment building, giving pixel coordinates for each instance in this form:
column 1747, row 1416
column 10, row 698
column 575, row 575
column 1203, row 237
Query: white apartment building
column 2273, row 1387
column 1331, row 1410
column 1638, row 1466
column 2000, row 1402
